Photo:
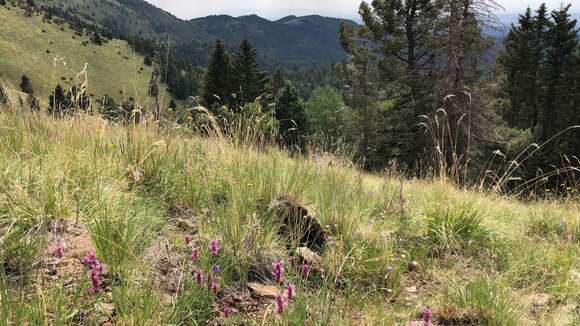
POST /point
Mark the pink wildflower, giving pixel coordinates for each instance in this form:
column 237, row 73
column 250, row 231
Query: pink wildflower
column 214, row 247
column 215, row 287
column 59, row 250
column 89, row 260
column 227, row 312
column 305, row 270
column 290, row 291
column 279, row 304
column 198, row 275
column 188, row 239
column 278, row 273
column 95, row 276
column 427, row 312
column 292, row 261
column 194, row 254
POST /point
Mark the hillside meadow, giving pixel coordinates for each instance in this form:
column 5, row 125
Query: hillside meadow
column 49, row 53
column 183, row 232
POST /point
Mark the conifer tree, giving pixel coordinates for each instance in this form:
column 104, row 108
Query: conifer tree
column 277, row 81
column 249, row 80
column 522, row 62
column 559, row 76
column 217, row 87
column 59, row 102
column 289, row 111
column 26, row 85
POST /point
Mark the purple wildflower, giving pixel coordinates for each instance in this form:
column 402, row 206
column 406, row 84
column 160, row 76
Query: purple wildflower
column 305, row 270
column 293, row 261
column 279, row 304
column 59, row 250
column 278, row 273
column 427, row 312
column 216, row 269
column 188, row 239
column 227, row 312
column 214, row 247
column 214, row 287
column 90, row 259
column 390, row 269
column 290, row 291
column 95, row 276
column 194, row 254
column 198, row 275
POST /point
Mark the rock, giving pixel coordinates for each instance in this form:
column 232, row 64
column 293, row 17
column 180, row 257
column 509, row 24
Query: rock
column 413, row 266
column 263, row 290
column 309, row 255
column 185, row 225
column 411, row 289
column 299, row 226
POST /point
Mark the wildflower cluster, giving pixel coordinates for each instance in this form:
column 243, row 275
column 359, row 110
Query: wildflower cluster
column 289, row 293
column 59, row 250
column 212, row 278
column 96, row 271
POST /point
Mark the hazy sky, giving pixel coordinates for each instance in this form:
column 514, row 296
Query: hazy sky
column 280, row 8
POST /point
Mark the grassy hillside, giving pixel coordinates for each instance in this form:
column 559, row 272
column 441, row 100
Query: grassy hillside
column 49, row 53
column 393, row 246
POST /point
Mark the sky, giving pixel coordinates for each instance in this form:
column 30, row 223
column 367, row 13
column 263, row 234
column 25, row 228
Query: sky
column 274, row 9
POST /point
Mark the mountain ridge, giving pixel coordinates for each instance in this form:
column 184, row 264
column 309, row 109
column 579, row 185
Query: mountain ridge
column 290, row 41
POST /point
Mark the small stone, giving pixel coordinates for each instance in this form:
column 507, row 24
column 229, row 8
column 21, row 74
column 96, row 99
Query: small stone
column 263, row 290
column 413, row 266
column 411, row 289
column 185, row 225
column 309, row 255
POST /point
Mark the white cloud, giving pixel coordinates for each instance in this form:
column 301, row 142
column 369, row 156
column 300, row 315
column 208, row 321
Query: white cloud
column 276, row 8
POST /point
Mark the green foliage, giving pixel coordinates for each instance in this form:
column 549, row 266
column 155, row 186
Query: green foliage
column 249, row 81
column 26, row 85
column 218, row 86
column 289, row 112
column 325, row 111
column 59, row 102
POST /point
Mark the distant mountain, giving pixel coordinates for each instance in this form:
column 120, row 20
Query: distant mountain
column 290, row 41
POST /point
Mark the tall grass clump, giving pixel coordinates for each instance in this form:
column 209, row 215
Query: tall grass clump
column 460, row 230
column 480, row 302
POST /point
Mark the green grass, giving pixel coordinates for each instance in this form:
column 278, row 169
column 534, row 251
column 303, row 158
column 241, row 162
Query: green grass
column 480, row 257
column 48, row 53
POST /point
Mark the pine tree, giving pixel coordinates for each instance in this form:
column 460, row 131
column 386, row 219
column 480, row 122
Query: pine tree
column 249, row 80
column 59, row 102
column 172, row 104
column 522, row 62
column 557, row 108
column 289, row 111
column 277, row 81
column 26, row 85
column 217, row 88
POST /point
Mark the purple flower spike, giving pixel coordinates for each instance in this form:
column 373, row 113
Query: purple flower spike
column 305, row 270
column 59, row 250
column 290, row 291
column 90, row 259
column 198, row 276
column 227, row 312
column 216, row 269
column 214, row 247
column 279, row 304
column 188, row 239
column 194, row 254
column 278, row 273
column 390, row 269
column 293, row 261
column 215, row 287
column 427, row 312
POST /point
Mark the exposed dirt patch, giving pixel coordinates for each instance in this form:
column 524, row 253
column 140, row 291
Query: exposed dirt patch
column 164, row 262
column 242, row 301
column 76, row 242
